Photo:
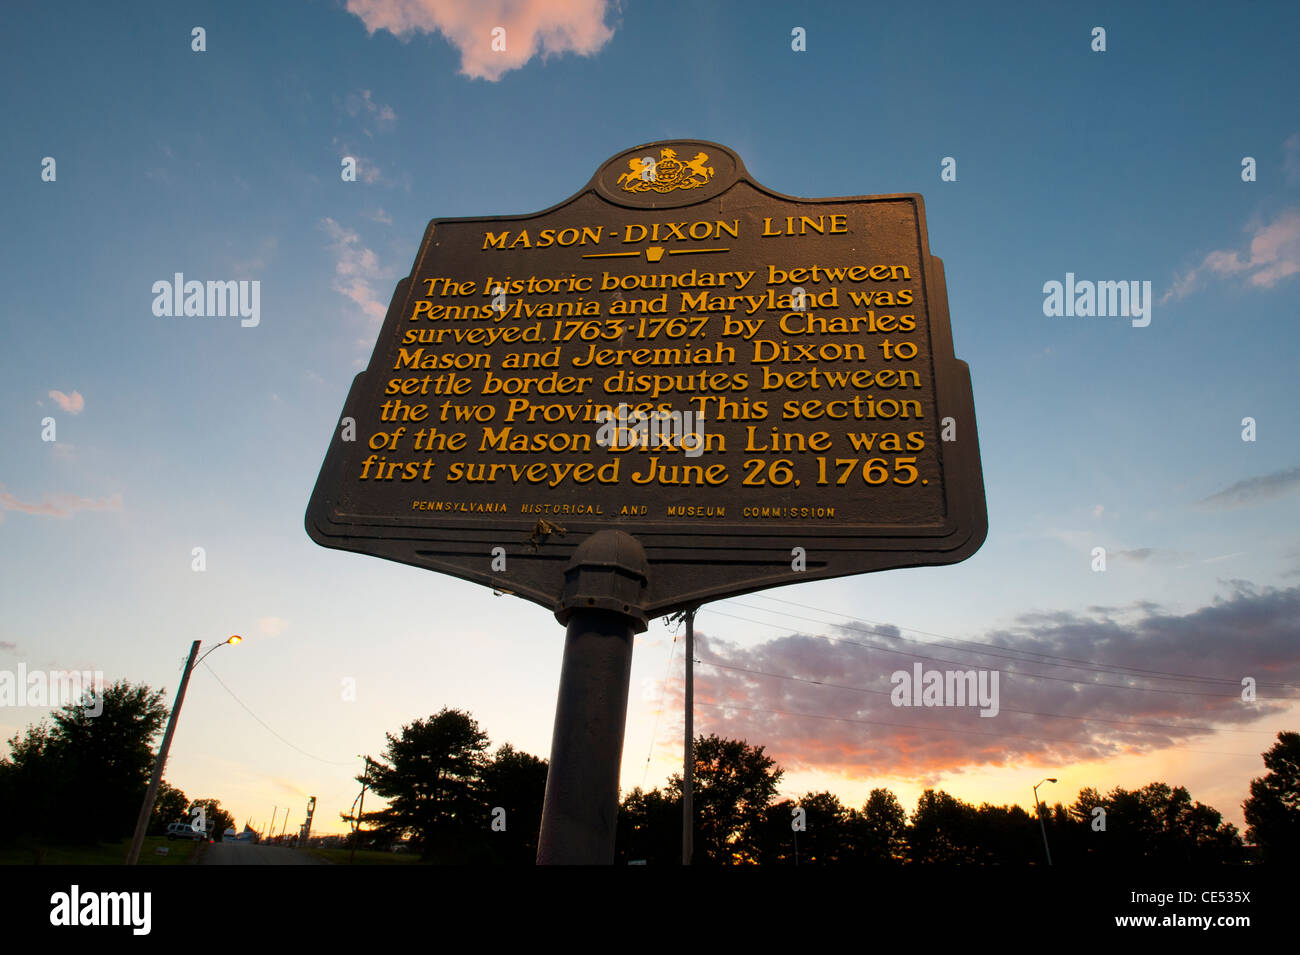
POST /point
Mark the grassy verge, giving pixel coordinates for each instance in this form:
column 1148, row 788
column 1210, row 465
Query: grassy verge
column 178, row 853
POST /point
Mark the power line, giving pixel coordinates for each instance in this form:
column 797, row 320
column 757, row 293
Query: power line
column 328, row 762
column 663, row 691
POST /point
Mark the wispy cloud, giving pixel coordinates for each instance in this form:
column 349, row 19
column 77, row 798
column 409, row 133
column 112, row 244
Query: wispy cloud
column 374, row 116
column 1253, row 490
column 1274, row 255
column 59, row 505
column 531, row 26
column 367, row 170
column 272, row 626
column 257, row 261
column 1291, row 159
column 72, row 404
column 1150, row 555
column 356, row 268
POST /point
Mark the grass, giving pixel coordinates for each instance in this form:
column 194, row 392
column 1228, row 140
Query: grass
column 106, row 854
column 365, row 856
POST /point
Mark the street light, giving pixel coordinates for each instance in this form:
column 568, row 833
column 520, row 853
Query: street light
column 151, row 794
column 1039, row 806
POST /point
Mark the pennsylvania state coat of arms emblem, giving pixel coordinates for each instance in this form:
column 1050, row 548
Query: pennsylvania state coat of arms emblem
column 669, row 173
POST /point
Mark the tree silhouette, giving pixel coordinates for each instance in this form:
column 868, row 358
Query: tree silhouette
column 172, row 805
column 879, row 831
column 734, row 785
column 941, row 829
column 649, row 828
column 83, row 778
column 824, row 839
column 1273, row 809
column 216, row 818
column 1156, row 823
column 516, row 782
column 431, row 776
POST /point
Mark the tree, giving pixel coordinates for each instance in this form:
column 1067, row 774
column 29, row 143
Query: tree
column 431, row 777
column 84, row 776
column 1273, row 809
column 941, row 829
column 879, row 831
column 823, row 836
column 31, row 781
column 1007, row 835
column 172, row 805
column 649, row 828
column 216, row 818
column 1156, row 823
column 515, row 782
column 734, row 784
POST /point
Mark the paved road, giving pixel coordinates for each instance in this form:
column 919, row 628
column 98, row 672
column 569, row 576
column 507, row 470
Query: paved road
column 246, row 853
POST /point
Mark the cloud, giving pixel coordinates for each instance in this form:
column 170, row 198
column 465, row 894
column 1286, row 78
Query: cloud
column 379, row 215
column 1153, row 555
column 272, row 626
column 367, row 169
column 548, row 26
column 6, row 645
column 257, row 260
column 289, row 786
column 72, row 404
column 1291, row 159
column 1253, row 490
column 373, row 115
column 59, row 505
column 1071, row 688
column 1274, row 255
column 1097, row 509
column 355, row 269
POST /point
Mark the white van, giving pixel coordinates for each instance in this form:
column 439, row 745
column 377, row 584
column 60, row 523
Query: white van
column 183, row 830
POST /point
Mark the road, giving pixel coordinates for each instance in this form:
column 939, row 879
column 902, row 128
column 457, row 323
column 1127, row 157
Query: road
column 247, row 853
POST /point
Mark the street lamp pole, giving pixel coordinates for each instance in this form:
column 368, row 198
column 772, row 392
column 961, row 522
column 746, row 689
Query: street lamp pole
column 151, row 794
column 1039, row 806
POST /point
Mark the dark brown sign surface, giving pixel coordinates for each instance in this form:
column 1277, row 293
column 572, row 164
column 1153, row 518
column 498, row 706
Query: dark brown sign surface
column 760, row 388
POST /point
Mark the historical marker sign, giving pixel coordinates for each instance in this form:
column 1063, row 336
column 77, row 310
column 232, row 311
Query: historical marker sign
column 760, row 388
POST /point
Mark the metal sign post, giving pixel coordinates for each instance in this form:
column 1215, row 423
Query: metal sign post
column 675, row 386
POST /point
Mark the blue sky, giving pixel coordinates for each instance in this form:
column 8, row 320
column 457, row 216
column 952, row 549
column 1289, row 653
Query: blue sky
column 177, row 433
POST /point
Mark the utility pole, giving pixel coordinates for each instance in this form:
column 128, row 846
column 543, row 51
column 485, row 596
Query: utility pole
column 151, row 794
column 356, row 828
column 688, row 757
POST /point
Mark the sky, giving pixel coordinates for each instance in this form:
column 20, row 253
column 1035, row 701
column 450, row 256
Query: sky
column 171, row 434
